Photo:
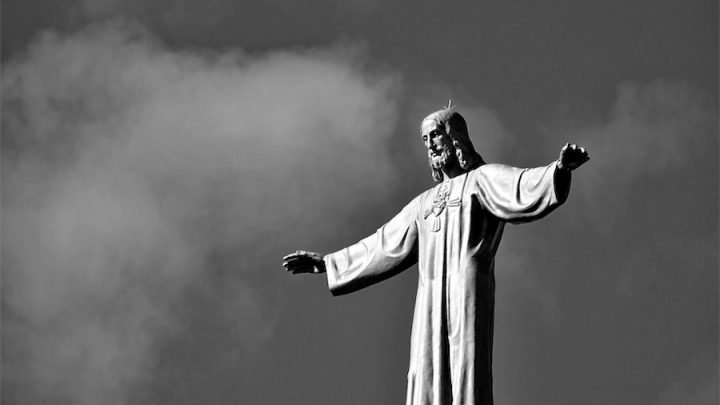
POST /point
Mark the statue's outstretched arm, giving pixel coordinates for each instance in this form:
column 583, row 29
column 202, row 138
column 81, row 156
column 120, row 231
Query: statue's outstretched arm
column 388, row 251
column 522, row 195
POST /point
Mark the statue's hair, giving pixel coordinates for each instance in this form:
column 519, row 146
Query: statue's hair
column 456, row 127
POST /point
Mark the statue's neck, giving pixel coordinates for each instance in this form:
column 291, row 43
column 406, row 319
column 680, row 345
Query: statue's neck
column 452, row 172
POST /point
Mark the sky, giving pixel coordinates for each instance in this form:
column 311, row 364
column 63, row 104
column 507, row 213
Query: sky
column 159, row 157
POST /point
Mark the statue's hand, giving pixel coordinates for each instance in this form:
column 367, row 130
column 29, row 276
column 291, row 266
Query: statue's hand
column 304, row 262
column 572, row 157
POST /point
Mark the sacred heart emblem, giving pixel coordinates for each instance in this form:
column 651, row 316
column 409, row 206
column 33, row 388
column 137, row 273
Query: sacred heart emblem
column 439, row 203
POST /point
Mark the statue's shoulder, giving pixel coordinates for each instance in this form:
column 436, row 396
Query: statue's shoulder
column 489, row 169
column 493, row 173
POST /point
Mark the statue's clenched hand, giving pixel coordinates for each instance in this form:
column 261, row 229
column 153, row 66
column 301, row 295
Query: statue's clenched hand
column 572, row 157
column 304, row 262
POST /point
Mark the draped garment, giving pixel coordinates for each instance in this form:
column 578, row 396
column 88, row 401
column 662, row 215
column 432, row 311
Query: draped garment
column 452, row 232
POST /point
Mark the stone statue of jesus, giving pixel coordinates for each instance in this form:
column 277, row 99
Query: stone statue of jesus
column 452, row 232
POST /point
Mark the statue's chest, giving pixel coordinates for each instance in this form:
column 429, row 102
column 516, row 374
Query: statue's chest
column 443, row 200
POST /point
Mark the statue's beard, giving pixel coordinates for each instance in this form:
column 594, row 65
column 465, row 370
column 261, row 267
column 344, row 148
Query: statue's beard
column 447, row 157
column 454, row 156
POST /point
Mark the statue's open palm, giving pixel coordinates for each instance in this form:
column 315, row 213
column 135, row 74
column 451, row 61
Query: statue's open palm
column 304, row 262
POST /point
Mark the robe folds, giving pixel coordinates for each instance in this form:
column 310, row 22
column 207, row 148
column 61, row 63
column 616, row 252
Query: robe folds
column 452, row 232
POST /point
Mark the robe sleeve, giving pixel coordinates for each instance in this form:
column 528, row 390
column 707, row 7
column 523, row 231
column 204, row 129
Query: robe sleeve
column 521, row 195
column 389, row 251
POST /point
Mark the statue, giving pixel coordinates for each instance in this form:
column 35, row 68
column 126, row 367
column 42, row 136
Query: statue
column 452, row 232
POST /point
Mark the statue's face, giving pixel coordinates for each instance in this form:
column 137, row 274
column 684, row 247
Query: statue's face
column 439, row 144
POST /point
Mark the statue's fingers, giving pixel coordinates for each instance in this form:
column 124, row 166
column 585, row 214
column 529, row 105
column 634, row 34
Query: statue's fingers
column 296, row 261
column 289, row 264
column 302, row 258
column 293, row 260
column 303, row 269
column 299, row 253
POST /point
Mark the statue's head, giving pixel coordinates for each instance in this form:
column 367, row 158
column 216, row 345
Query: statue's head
column 445, row 135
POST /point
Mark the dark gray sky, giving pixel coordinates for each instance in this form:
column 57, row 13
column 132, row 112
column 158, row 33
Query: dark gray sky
column 160, row 157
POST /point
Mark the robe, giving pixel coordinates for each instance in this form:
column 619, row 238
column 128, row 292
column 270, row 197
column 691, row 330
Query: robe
column 452, row 232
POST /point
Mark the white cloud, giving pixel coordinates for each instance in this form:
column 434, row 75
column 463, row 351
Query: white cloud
column 129, row 167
